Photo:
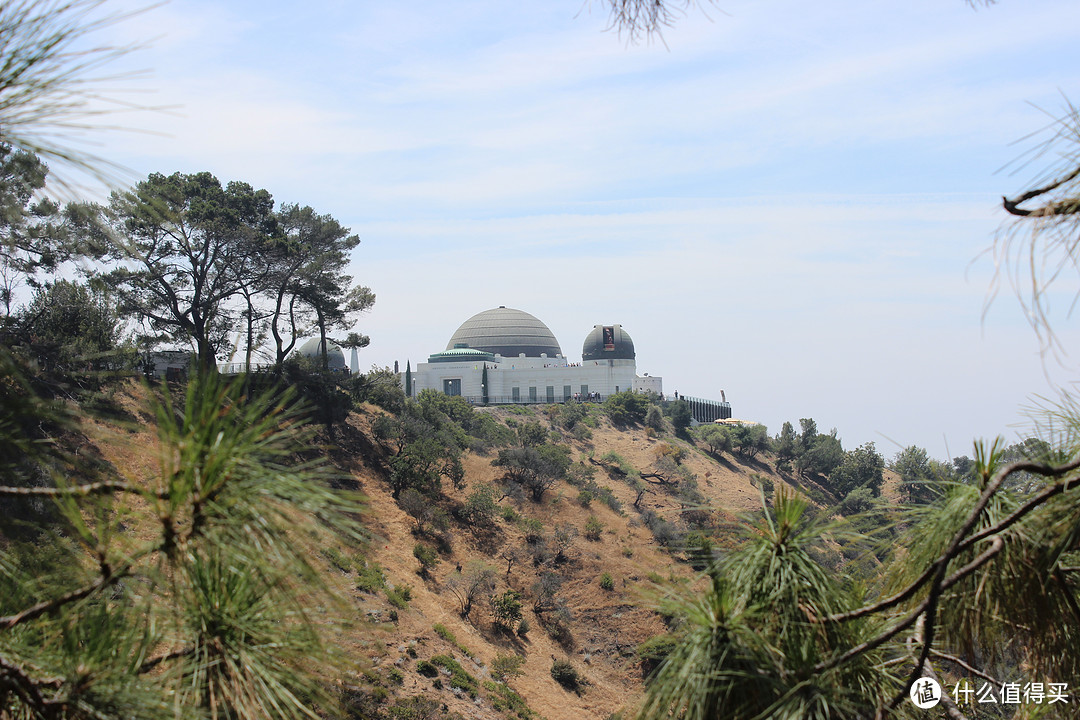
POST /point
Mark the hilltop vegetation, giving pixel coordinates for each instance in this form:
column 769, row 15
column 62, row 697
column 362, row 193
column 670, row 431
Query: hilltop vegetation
column 528, row 562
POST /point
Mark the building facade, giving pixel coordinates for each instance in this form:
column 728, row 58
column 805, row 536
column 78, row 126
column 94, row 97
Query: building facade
column 504, row 356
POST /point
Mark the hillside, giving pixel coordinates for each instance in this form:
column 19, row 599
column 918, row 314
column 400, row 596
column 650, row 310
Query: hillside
column 597, row 630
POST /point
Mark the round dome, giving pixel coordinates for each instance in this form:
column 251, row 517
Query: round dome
column 608, row 342
column 506, row 332
column 335, row 356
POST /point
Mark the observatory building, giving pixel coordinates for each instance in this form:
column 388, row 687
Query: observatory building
column 505, row 355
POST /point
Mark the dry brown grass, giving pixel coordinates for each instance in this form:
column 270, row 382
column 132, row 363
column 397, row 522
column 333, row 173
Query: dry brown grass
column 608, row 625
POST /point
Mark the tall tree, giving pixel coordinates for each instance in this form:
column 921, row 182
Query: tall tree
column 861, row 467
column 184, row 245
column 30, row 226
column 912, row 464
column 307, row 280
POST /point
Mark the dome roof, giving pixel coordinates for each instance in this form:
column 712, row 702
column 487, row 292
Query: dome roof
column 507, row 332
column 335, row 356
column 608, row 342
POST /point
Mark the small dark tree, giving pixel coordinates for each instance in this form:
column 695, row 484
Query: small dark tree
column 912, row 464
column 506, row 609
column 680, row 416
column 427, row 556
column 475, row 581
column 787, row 447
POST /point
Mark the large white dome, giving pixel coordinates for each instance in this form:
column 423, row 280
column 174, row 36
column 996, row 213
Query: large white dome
column 507, row 332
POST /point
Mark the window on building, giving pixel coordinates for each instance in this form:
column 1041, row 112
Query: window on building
column 551, row 393
column 515, row 394
column 584, row 391
column 532, row 394
column 452, row 387
column 567, row 393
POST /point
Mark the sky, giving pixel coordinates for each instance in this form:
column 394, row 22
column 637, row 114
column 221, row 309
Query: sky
column 794, row 202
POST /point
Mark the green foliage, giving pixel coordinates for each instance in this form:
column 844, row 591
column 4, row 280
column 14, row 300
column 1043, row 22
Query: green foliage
column 230, row 497
column 759, row 624
column 749, row 440
column 680, row 416
column 859, row 500
column 71, row 328
column 508, row 700
column 699, row 550
column 819, row 454
column 507, row 667
column 426, row 669
column 399, row 596
column 861, row 467
column 459, row 678
column 480, row 507
column 418, row 708
column 426, row 440
column 31, row 225
column 427, row 556
column 445, row 633
column 379, row 386
column 531, row 434
column 533, row 529
column 655, row 650
column 606, row 582
column 912, row 464
column 536, row 468
column 593, row 528
column 564, row 673
column 717, row 438
column 369, row 577
column 654, row 418
column 506, row 609
column 786, row 447
column 626, row 408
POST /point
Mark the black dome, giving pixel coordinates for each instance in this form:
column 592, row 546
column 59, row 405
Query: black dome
column 608, row 342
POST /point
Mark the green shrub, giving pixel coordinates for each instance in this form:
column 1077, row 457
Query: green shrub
column 653, row 651
column 395, row 676
column 523, row 627
column 593, row 528
column 584, row 498
column 445, row 633
column 533, row 529
column 459, row 678
column 337, row 559
column 506, row 609
column 509, row 514
column 565, row 674
column 369, row 577
column 606, row 582
column 426, row 669
column 399, row 596
column 427, row 556
column 505, row 667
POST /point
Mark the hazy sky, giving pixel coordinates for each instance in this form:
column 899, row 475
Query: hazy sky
column 787, row 200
